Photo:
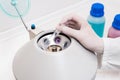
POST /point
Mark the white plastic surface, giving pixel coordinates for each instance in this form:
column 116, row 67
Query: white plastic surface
column 8, row 48
column 72, row 63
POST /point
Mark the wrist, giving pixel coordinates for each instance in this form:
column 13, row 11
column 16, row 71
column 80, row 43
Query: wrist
column 99, row 48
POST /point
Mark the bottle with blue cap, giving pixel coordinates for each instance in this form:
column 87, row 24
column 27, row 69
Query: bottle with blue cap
column 114, row 30
column 96, row 18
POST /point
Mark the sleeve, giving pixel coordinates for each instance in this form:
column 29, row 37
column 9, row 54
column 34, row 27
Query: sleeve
column 111, row 54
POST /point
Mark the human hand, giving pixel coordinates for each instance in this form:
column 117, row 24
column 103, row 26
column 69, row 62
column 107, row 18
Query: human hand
column 78, row 28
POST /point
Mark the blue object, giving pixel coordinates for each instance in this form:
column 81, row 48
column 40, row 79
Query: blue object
column 96, row 18
column 14, row 2
column 98, row 28
column 97, row 10
column 33, row 26
column 116, row 22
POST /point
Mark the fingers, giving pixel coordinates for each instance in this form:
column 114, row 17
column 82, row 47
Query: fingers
column 67, row 30
column 74, row 18
column 73, row 25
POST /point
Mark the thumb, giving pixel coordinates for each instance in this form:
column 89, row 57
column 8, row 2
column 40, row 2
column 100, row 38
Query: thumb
column 67, row 30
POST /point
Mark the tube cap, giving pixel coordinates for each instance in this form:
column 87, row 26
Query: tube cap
column 116, row 22
column 97, row 10
column 33, row 26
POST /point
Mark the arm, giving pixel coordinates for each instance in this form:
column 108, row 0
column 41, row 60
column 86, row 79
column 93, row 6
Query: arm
column 111, row 56
column 82, row 31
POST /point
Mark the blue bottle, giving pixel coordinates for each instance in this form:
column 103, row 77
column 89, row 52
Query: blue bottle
column 96, row 18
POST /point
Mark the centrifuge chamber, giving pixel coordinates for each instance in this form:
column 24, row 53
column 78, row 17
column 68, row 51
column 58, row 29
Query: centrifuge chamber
column 61, row 58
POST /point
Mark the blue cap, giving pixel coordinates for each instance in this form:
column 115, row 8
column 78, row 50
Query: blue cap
column 33, row 26
column 116, row 22
column 97, row 10
column 14, row 2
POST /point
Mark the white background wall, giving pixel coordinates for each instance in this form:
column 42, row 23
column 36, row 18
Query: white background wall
column 41, row 8
column 38, row 8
